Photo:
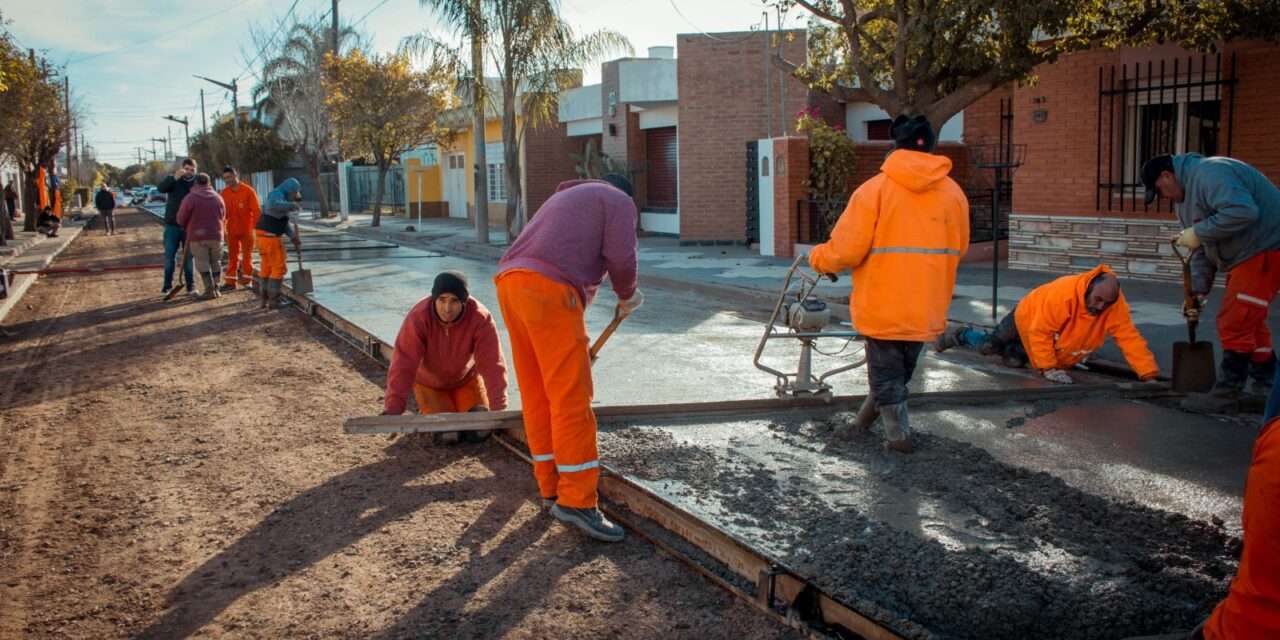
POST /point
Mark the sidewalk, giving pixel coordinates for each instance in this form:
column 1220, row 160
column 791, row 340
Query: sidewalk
column 752, row 279
column 38, row 252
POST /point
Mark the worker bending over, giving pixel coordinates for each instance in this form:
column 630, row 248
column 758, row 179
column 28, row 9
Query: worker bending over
column 545, row 281
column 903, row 235
column 1061, row 323
column 448, row 352
column 243, row 211
column 269, row 234
column 1230, row 217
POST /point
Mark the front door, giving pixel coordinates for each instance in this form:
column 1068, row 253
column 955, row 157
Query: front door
column 455, row 185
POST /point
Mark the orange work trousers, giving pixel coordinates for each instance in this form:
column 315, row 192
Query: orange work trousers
column 1251, row 610
column 1242, row 322
column 549, row 349
column 460, row 400
column 239, row 254
column 271, row 256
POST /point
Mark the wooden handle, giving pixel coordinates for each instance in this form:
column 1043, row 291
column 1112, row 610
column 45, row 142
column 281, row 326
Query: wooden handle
column 618, row 317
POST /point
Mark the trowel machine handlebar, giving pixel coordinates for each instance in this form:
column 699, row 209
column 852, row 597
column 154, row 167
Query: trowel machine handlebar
column 805, row 316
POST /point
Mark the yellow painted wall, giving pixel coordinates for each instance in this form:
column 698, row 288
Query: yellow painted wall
column 462, row 143
column 429, row 177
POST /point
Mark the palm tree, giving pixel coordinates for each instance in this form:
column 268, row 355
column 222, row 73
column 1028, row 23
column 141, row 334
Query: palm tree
column 537, row 55
column 291, row 93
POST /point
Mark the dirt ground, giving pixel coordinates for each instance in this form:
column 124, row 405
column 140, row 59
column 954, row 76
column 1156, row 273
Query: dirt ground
column 177, row 469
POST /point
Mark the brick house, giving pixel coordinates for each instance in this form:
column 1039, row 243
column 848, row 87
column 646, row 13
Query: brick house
column 1094, row 117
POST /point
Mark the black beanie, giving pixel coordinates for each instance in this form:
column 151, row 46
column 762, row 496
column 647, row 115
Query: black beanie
column 621, row 183
column 451, row 282
column 914, row 134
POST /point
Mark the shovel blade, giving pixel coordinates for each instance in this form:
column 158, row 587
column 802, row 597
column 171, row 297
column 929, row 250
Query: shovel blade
column 302, row 281
column 1193, row 367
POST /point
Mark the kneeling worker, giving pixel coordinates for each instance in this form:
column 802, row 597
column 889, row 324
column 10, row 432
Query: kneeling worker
column 546, row 280
column 448, row 351
column 1061, row 323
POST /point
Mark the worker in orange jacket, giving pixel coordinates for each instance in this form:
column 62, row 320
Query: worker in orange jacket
column 243, row 211
column 1061, row 323
column 1251, row 610
column 903, row 234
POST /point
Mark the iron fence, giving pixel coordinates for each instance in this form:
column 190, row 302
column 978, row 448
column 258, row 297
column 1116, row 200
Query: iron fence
column 1148, row 110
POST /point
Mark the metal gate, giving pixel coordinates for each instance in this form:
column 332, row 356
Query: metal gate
column 1149, row 109
column 362, row 184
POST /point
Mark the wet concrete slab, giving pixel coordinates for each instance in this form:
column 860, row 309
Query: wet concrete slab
column 956, row 540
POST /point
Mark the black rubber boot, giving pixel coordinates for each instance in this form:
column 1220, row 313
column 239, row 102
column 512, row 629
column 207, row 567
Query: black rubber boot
column 867, row 415
column 1261, row 376
column 897, row 428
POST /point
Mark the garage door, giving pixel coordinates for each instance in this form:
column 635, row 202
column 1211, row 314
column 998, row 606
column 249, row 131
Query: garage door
column 660, row 148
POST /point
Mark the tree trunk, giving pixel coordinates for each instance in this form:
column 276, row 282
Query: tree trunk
column 313, row 170
column 511, row 160
column 477, row 128
column 31, row 202
column 378, row 193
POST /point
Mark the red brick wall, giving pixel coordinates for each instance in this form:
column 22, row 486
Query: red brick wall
column 1060, row 174
column 791, row 169
column 548, row 161
column 721, row 109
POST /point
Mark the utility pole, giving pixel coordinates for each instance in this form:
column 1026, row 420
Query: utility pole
column 66, row 96
column 185, row 132
column 204, row 126
column 163, row 146
column 235, row 97
column 481, row 167
column 140, row 163
column 333, row 37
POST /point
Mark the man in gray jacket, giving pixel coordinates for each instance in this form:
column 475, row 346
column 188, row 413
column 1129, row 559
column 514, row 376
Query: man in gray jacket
column 1230, row 216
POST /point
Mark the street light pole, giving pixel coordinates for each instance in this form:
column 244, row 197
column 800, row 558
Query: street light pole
column 163, row 145
column 185, row 131
column 235, row 97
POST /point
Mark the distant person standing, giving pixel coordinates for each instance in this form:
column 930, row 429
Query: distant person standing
column 201, row 217
column 105, row 203
column 176, row 187
column 11, row 201
column 243, row 211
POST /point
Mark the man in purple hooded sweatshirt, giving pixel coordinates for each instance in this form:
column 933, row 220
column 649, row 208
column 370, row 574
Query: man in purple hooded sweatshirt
column 546, row 280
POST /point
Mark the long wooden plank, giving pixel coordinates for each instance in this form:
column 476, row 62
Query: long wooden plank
column 413, row 423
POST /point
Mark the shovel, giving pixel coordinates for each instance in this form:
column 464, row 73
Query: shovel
column 182, row 273
column 302, row 277
column 618, row 317
column 1193, row 361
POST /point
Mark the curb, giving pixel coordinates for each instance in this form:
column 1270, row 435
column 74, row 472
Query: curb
column 22, row 283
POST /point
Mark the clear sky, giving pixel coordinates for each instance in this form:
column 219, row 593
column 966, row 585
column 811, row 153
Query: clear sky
column 131, row 62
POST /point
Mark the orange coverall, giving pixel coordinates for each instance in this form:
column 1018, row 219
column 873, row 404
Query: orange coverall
column 242, row 215
column 1251, row 610
column 271, row 255
column 549, row 347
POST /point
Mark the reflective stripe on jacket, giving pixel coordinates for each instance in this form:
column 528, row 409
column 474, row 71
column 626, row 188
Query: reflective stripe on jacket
column 903, row 234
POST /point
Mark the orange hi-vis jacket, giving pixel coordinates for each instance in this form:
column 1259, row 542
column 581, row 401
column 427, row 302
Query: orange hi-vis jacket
column 1251, row 610
column 243, row 209
column 903, row 234
column 1058, row 332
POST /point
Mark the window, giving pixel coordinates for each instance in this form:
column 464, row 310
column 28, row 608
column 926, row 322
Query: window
column 1153, row 108
column 497, row 183
column 879, row 130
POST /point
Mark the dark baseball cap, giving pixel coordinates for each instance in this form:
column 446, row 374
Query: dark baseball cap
column 1151, row 171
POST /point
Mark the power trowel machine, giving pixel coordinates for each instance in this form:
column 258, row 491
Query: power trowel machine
column 801, row 315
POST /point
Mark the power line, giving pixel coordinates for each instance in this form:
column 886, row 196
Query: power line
column 166, row 33
column 716, row 38
column 369, row 13
column 270, row 41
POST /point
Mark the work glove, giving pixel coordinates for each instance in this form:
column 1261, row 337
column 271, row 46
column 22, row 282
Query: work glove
column 625, row 307
column 1058, row 376
column 1192, row 311
column 1188, row 239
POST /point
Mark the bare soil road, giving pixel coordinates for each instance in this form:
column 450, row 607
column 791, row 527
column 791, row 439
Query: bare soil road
column 177, row 469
